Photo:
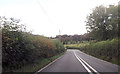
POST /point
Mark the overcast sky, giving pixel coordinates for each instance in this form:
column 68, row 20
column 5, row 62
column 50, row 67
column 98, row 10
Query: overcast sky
column 47, row 17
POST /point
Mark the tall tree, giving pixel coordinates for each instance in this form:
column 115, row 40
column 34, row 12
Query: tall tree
column 103, row 22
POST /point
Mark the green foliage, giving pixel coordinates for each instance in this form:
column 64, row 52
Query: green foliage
column 20, row 48
column 58, row 46
column 77, row 46
column 106, row 50
column 102, row 23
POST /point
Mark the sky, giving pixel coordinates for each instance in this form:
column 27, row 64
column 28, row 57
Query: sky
column 52, row 17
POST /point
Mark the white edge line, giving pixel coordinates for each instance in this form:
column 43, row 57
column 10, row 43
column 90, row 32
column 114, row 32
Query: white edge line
column 48, row 64
column 83, row 64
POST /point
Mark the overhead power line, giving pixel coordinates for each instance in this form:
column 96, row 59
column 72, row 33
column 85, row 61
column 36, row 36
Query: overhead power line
column 41, row 7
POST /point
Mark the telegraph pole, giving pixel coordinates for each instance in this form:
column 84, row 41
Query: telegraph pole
column 59, row 32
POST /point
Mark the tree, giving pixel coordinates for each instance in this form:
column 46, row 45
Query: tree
column 103, row 22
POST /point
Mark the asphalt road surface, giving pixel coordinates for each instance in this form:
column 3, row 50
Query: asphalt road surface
column 77, row 61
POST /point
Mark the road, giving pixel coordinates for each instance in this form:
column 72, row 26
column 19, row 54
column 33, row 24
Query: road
column 77, row 61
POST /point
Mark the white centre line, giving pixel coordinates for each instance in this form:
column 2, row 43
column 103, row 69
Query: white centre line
column 81, row 61
column 83, row 64
column 89, row 66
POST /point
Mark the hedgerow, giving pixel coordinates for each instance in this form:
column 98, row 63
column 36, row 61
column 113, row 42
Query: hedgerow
column 20, row 48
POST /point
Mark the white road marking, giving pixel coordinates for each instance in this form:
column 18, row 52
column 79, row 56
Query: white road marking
column 48, row 65
column 83, row 64
column 99, row 59
column 81, row 60
column 89, row 65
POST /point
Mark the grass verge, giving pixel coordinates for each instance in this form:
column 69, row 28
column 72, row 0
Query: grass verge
column 38, row 64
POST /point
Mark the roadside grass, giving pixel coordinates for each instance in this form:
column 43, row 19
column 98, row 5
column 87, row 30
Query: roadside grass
column 37, row 65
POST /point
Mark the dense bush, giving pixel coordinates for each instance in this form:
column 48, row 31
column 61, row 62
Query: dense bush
column 20, row 48
column 107, row 50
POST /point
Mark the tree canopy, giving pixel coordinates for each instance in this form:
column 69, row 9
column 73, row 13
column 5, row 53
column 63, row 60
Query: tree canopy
column 102, row 23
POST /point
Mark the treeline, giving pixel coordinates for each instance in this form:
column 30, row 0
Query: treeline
column 101, row 24
column 73, row 39
column 20, row 48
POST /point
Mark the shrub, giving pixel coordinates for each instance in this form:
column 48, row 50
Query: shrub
column 20, row 48
column 107, row 50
